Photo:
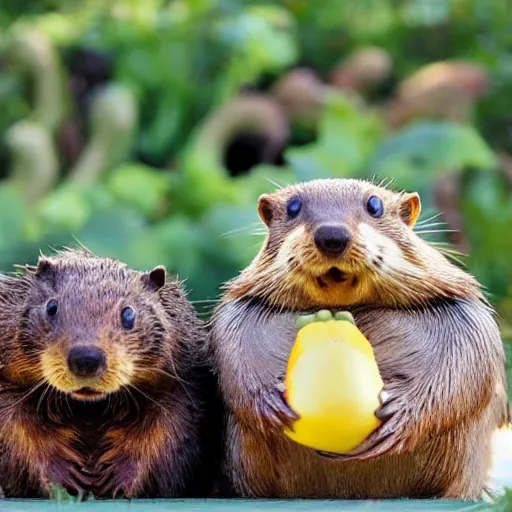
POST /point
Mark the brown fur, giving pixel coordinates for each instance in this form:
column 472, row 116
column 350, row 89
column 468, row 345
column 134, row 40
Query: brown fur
column 435, row 339
column 141, row 429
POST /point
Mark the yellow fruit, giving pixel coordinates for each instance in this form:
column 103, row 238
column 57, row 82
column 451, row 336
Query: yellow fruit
column 333, row 384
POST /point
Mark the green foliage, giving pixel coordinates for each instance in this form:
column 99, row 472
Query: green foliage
column 419, row 154
column 150, row 109
column 126, row 183
column 487, row 213
column 346, row 138
column 503, row 503
column 12, row 220
column 431, row 147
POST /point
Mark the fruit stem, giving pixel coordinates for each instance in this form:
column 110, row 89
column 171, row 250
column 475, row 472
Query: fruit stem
column 304, row 320
column 324, row 315
column 344, row 315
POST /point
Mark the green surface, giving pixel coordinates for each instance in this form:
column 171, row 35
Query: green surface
column 245, row 505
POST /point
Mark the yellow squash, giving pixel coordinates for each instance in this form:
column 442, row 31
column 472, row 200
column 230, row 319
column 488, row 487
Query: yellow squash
column 332, row 383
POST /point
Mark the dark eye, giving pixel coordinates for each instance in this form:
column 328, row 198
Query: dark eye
column 52, row 307
column 128, row 318
column 293, row 208
column 375, row 207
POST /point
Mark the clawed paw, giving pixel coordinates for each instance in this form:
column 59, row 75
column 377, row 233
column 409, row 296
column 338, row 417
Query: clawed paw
column 119, row 479
column 273, row 412
column 68, row 479
column 389, row 438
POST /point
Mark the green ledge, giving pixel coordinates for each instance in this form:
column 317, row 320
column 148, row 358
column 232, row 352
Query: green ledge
column 213, row 505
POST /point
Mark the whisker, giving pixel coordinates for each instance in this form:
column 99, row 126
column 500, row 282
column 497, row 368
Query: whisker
column 446, row 246
column 431, row 225
column 241, row 230
column 432, row 231
column 386, row 183
column 10, row 407
column 163, row 372
column 428, row 219
column 51, row 393
column 41, row 398
column 66, row 396
column 176, row 377
column 145, row 395
column 130, row 395
column 453, row 257
column 412, row 292
column 274, row 183
column 109, row 403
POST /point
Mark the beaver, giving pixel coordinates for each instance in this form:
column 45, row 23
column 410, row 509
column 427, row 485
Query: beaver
column 103, row 390
column 346, row 244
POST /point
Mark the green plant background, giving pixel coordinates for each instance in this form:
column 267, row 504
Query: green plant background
column 117, row 116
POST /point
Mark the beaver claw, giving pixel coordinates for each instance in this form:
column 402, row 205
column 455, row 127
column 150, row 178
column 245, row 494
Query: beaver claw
column 120, row 478
column 273, row 412
column 387, row 438
column 67, row 477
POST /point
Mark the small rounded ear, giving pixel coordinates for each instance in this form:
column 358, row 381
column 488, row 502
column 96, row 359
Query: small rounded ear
column 265, row 208
column 45, row 268
column 410, row 208
column 155, row 279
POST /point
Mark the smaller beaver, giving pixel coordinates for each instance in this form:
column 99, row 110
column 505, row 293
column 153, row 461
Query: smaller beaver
column 102, row 387
column 349, row 245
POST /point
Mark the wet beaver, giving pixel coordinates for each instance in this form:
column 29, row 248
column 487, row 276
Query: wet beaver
column 102, row 388
column 349, row 245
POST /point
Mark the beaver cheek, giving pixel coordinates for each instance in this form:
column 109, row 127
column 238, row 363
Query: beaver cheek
column 120, row 368
column 55, row 369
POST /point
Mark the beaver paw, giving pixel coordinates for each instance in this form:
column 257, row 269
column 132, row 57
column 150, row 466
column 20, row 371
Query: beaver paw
column 58, row 475
column 272, row 411
column 119, row 479
column 391, row 437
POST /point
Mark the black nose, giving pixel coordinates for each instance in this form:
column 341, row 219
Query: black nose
column 332, row 240
column 86, row 361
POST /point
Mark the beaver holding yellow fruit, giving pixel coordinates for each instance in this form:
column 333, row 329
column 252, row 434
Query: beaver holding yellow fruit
column 332, row 382
column 349, row 246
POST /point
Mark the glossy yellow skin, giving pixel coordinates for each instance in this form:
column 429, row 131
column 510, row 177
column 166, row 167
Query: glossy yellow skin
column 333, row 384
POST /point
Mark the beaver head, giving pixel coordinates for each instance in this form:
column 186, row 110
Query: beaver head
column 342, row 242
column 91, row 327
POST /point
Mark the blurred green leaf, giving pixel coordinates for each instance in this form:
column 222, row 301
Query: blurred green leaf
column 261, row 39
column 112, row 231
column 262, row 180
column 432, row 148
column 140, row 187
column 487, row 215
column 70, row 206
column 504, row 503
column 417, row 155
column 13, row 217
column 347, row 136
column 173, row 242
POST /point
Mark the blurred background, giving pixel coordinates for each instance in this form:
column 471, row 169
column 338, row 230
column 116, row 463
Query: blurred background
column 147, row 129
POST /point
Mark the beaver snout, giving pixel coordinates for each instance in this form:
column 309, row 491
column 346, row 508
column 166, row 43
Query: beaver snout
column 86, row 362
column 332, row 240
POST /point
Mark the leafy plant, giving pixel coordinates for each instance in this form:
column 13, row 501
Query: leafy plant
column 503, row 503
